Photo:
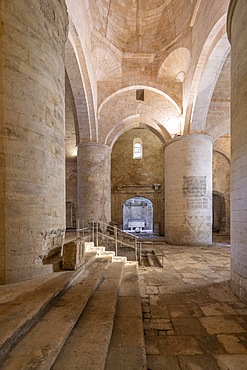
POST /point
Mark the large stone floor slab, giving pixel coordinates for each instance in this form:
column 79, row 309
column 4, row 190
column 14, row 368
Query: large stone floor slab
column 127, row 346
column 22, row 304
column 87, row 345
column 219, row 324
column 41, row 345
column 232, row 362
column 192, row 320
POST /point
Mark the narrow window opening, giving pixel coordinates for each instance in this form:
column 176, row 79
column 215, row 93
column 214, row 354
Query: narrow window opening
column 140, row 94
column 137, row 148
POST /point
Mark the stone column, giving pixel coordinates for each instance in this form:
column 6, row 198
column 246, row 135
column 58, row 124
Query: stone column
column 32, row 217
column 93, row 182
column 237, row 32
column 188, row 190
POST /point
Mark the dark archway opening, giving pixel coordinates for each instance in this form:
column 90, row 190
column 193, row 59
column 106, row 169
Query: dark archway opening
column 138, row 215
column 219, row 213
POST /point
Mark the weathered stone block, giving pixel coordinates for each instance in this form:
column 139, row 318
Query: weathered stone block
column 73, row 253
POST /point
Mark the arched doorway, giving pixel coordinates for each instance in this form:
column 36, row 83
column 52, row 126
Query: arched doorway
column 138, row 215
column 70, row 215
column 219, row 213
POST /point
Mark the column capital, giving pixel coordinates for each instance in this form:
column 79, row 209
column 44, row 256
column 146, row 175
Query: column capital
column 190, row 136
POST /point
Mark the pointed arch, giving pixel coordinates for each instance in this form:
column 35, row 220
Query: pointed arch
column 83, row 129
column 134, row 122
column 217, row 32
column 139, row 87
column 89, row 98
column 156, row 109
column 207, row 85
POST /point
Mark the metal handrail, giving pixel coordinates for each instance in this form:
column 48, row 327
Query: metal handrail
column 119, row 241
column 114, row 227
column 94, row 230
column 117, row 232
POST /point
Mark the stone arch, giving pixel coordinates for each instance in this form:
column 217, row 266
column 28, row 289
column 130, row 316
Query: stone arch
column 219, row 111
column 207, row 85
column 138, row 87
column 82, row 126
column 134, row 122
column 70, row 96
column 107, row 64
column 223, row 154
column 82, row 65
column 159, row 111
column 216, row 45
column 175, row 65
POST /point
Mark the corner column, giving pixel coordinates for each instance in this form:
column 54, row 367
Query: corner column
column 188, row 190
column 32, row 155
column 237, row 33
column 93, row 182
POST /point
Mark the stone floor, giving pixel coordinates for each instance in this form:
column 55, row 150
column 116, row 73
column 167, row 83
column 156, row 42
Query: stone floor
column 192, row 321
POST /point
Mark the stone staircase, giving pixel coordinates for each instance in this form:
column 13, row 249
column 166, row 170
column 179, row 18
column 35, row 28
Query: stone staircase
column 89, row 318
column 125, row 246
column 127, row 346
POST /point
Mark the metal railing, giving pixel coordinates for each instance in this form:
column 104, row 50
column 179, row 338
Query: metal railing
column 113, row 233
column 100, row 232
column 99, row 229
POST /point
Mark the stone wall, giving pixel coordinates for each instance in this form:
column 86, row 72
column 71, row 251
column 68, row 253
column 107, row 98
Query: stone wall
column 2, row 172
column 237, row 32
column 221, row 178
column 32, row 38
column 71, row 192
column 71, row 156
column 138, row 177
column 218, row 117
column 71, row 138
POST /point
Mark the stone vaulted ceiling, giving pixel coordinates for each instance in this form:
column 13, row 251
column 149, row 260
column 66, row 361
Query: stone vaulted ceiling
column 145, row 26
column 128, row 40
column 160, row 46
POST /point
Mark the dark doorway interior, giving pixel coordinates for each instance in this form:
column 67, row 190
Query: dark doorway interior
column 138, row 215
column 219, row 213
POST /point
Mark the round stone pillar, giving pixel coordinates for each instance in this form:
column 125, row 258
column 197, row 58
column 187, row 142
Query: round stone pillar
column 93, row 182
column 188, row 190
column 32, row 185
column 237, row 33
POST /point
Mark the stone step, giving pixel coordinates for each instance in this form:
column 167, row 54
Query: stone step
column 119, row 258
column 87, row 346
column 123, row 251
column 22, row 304
column 127, row 346
column 39, row 348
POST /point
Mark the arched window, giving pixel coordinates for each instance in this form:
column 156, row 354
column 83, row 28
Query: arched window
column 137, row 148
